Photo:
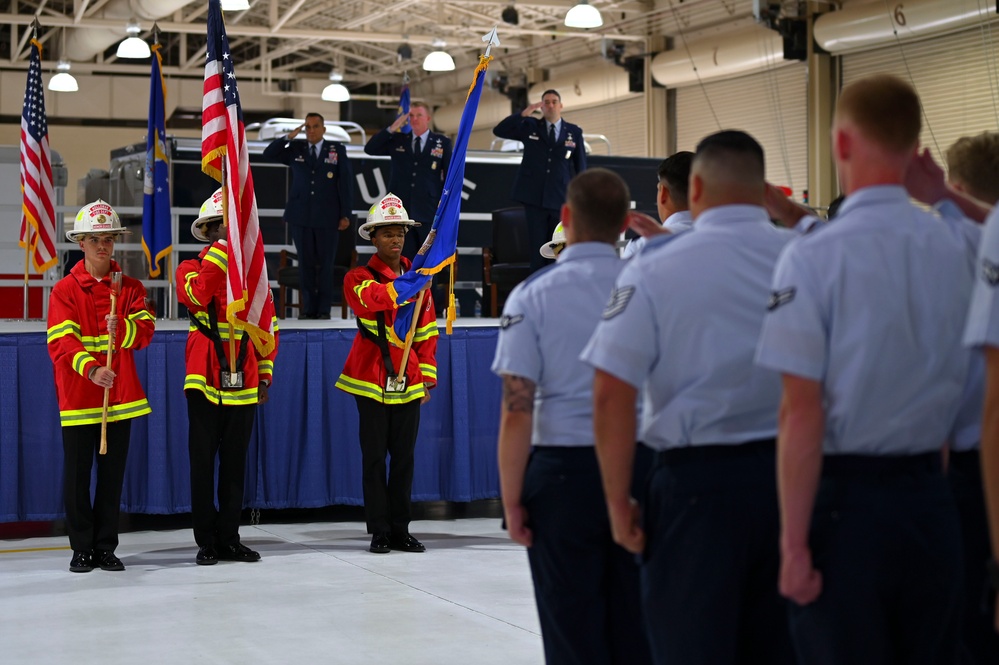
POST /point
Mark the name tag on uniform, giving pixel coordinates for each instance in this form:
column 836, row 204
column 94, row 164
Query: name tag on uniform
column 568, row 154
column 401, row 149
column 534, row 137
column 231, row 380
column 300, row 159
column 395, row 385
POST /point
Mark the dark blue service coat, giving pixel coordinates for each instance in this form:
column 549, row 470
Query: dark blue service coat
column 322, row 191
column 416, row 179
column 546, row 168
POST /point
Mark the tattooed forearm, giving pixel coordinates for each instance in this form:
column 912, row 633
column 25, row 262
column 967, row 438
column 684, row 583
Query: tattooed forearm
column 518, row 394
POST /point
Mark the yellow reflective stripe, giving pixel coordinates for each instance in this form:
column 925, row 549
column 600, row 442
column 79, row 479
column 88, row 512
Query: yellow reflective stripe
column 228, row 397
column 375, row 392
column 129, row 337
column 92, row 416
column 265, row 366
column 360, row 287
column 371, row 326
column 429, row 371
column 80, row 362
column 426, row 332
column 188, row 278
column 62, row 329
column 218, row 257
column 274, row 322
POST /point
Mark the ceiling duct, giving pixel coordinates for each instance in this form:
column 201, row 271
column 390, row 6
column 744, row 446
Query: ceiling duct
column 723, row 55
column 863, row 26
column 83, row 44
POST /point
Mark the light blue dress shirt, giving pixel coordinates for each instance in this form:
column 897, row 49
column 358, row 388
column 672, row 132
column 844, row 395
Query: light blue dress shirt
column 691, row 342
column 546, row 322
column 873, row 306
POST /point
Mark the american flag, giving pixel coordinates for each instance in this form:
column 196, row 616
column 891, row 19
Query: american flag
column 223, row 142
column 37, row 197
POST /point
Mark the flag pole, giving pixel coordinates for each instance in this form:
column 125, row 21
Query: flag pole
column 411, row 335
column 225, row 224
column 35, row 25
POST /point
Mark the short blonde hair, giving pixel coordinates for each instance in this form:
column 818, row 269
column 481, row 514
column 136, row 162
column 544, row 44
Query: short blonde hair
column 973, row 163
column 885, row 109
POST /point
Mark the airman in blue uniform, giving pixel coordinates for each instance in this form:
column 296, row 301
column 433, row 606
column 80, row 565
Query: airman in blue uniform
column 586, row 587
column 708, row 535
column 865, row 326
column 418, row 169
column 553, row 153
column 319, row 207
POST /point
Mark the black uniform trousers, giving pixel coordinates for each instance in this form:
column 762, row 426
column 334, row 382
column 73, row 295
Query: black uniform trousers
column 222, row 431
column 387, row 429
column 886, row 537
column 541, row 223
column 94, row 526
column 316, row 247
column 979, row 641
column 709, row 579
column 586, row 587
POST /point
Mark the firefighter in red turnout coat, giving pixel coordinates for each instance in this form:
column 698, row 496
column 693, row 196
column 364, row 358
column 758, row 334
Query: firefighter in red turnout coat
column 220, row 411
column 389, row 411
column 80, row 328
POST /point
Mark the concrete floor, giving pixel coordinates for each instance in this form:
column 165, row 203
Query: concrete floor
column 316, row 596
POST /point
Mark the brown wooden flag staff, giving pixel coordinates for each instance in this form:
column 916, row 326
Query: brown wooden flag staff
column 115, row 292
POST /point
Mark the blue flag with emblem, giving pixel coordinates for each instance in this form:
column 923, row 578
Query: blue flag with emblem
column 404, row 106
column 157, row 226
column 440, row 248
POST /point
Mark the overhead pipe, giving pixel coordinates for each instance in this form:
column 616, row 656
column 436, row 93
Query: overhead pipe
column 723, row 55
column 864, row 26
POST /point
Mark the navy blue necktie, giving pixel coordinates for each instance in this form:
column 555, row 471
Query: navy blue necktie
column 551, row 134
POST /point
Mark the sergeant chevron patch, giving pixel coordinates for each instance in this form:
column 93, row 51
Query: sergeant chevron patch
column 618, row 301
column 990, row 272
column 507, row 320
column 778, row 298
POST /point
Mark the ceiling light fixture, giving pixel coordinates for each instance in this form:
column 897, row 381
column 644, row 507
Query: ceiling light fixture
column 133, row 47
column 336, row 91
column 438, row 60
column 584, row 15
column 235, row 5
column 63, row 81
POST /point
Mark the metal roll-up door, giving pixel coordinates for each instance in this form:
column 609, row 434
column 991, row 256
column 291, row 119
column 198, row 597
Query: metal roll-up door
column 771, row 106
column 623, row 123
column 956, row 76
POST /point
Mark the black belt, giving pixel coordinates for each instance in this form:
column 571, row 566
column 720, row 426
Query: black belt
column 711, row 452
column 859, row 465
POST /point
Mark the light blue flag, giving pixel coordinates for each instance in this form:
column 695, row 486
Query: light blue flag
column 157, row 226
column 440, row 248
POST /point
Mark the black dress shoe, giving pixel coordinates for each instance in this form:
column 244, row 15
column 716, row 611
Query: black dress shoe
column 379, row 544
column 324, row 317
column 237, row 552
column 107, row 560
column 206, row 556
column 83, row 562
column 407, row 543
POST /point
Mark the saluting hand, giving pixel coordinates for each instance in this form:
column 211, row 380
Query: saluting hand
column 924, row 179
column 531, row 109
column 293, row 133
column 399, row 123
column 645, row 226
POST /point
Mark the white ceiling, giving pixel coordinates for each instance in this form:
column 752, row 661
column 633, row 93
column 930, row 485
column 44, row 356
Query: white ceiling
column 289, row 39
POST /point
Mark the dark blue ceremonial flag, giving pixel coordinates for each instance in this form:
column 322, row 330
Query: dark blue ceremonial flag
column 157, row 226
column 440, row 248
